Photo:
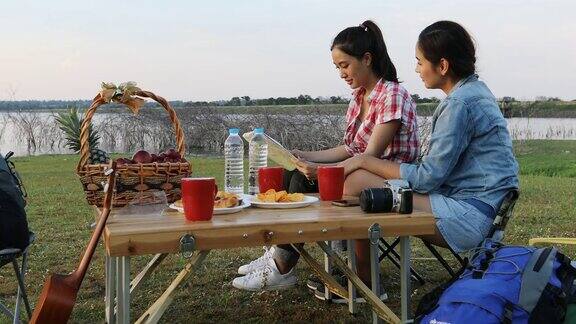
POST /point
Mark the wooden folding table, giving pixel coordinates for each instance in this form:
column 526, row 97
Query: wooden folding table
column 161, row 232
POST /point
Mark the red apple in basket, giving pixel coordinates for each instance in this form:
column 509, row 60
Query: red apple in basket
column 161, row 158
column 123, row 161
column 154, row 157
column 173, row 154
column 142, row 157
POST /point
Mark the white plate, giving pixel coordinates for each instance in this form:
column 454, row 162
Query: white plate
column 308, row 200
column 220, row 211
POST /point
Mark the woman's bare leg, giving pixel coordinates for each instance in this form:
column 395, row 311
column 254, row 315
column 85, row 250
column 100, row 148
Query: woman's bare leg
column 422, row 202
column 354, row 184
column 362, row 179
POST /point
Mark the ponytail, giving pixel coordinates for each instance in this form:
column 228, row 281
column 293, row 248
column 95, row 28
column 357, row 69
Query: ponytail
column 367, row 38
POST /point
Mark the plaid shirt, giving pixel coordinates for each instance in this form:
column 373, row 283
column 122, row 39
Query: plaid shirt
column 388, row 101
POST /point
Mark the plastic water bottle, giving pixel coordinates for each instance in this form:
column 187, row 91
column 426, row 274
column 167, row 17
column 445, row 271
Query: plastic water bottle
column 258, row 157
column 234, row 162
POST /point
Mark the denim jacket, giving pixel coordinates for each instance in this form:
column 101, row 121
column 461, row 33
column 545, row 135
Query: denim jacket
column 470, row 153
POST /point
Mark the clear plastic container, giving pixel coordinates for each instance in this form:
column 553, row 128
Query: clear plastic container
column 234, row 162
column 258, row 158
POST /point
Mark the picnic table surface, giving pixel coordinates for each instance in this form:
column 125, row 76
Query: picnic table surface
column 159, row 231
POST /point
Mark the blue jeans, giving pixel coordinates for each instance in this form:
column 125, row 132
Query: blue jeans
column 461, row 224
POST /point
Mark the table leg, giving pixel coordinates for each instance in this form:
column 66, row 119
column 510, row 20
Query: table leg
column 110, row 286
column 326, row 278
column 143, row 275
column 328, row 269
column 374, row 235
column 405, row 289
column 352, row 306
column 123, row 289
column 156, row 260
column 155, row 312
column 383, row 311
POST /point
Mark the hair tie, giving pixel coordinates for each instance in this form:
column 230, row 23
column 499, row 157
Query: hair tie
column 363, row 27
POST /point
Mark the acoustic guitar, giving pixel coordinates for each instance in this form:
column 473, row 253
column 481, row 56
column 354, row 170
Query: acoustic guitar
column 60, row 291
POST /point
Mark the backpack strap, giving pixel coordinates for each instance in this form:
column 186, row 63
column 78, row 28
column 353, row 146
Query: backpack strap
column 487, row 252
column 535, row 277
column 508, row 313
column 567, row 275
column 478, row 272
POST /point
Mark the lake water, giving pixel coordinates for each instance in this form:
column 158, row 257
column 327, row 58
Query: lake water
column 50, row 143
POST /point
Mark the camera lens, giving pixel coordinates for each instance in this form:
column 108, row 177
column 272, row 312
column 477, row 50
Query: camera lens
column 376, row 200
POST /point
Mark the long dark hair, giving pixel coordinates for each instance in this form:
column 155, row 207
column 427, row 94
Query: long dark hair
column 449, row 40
column 367, row 38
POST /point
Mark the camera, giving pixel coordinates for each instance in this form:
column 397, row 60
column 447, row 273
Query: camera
column 395, row 196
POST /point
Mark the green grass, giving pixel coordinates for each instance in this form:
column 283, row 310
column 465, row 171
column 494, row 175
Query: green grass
column 547, row 157
column 59, row 215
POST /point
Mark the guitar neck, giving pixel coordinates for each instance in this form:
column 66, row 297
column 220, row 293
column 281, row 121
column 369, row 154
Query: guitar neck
column 79, row 274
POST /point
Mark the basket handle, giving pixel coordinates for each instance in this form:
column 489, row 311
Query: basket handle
column 99, row 101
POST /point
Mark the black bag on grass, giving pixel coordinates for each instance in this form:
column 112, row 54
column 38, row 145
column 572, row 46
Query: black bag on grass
column 13, row 223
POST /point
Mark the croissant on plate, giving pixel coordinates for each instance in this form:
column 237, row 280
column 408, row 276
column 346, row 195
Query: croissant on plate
column 222, row 200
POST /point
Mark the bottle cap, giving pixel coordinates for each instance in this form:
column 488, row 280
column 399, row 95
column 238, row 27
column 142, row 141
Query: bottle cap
column 259, row 130
column 233, row 131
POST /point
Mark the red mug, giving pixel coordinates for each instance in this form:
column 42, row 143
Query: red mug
column 270, row 178
column 331, row 182
column 198, row 198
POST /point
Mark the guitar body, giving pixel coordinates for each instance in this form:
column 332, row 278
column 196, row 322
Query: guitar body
column 56, row 300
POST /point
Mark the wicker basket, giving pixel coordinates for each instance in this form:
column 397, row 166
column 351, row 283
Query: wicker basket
column 133, row 180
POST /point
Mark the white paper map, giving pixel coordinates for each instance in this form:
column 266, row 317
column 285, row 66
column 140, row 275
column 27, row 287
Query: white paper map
column 276, row 152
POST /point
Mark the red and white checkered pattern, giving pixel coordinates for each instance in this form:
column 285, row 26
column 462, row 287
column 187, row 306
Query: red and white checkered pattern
column 388, row 101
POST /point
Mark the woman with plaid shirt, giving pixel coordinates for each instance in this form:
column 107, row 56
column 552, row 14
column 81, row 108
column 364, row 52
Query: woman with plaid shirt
column 380, row 122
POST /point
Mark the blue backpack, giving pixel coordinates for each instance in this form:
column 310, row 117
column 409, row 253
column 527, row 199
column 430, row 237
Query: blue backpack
column 504, row 284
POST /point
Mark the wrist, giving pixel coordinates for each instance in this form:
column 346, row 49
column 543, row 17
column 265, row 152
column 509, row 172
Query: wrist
column 363, row 161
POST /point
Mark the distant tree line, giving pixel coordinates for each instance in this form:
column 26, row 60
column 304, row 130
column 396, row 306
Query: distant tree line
column 17, row 105
column 234, row 101
column 418, row 99
column 280, row 101
column 301, row 100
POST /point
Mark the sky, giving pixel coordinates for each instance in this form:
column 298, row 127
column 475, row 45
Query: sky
column 212, row 50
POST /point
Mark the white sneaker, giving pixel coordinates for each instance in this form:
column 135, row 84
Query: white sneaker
column 258, row 263
column 266, row 278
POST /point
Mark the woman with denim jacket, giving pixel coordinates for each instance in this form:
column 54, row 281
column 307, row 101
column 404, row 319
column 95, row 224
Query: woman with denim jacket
column 470, row 165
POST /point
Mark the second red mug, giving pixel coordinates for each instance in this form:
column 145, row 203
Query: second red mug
column 198, row 198
column 270, row 178
column 331, row 182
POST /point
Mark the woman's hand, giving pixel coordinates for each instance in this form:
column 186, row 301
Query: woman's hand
column 300, row 154
column 309, row 169
column 352, row 164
